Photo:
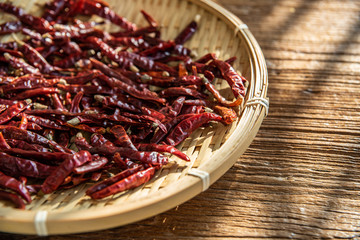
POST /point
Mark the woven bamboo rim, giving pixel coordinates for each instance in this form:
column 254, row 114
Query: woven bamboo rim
column 213, row 150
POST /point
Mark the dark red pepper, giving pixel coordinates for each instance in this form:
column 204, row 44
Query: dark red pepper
column 130, row 182
column 187, row 126
column 13, row 184
column 58, row 176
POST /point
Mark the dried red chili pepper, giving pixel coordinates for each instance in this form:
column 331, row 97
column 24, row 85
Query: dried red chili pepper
column 159, row 134
column 14, row 53
column 111, row 102
column 57, row 177
column 176, row 106
column 36, row 92
column 53, row 9
column 99, row 8
column 3, row 143
column 47, row 122
column 56, row 102
column 112, row 180
column 26, row 146
column 235, row 81
column 211, row 88
column 20, row 64
column 87, row 89
column 83, row 77
column 12, row 111
column 187, row 33
column 24, row 122
column 92, row 166
column 35, row 58
column 39, row 24
column 162, row 148
column 127, row 183
column 16, row 186
column 75, row 105
column 17, row 201
column 181, row 91
column 44, row 157
column 122, row 139
column 187, row 126
column 228, row 114
column 31, row 137
column 87, row 128
column 29, row 82
column 15, row 166
column 10, row 27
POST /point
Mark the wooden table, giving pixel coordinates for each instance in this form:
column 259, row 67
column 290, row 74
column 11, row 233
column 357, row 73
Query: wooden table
column 300, row 177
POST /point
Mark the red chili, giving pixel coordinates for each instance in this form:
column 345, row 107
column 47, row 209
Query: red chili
column 112, row 180
column 235, row 81
column 58, row 176
column 36, row 59
column 187, row 33
column 11, row 132
column 26, row 146
column 187, row 126
column 18, row 202
column 228, row 114
column 92, row 166
column 181, row 91
column 99, row 8
column 162, row 148
column 10, row 27
column 75, row 105
column 16, row 166
column 12, row 111
column 122, row 139
column 130, row 182
column 159, row 134
column 15, row 185
column 20, row 64
column 37, row 23
column 36, row 92
column 3, row 143
column 211, row 88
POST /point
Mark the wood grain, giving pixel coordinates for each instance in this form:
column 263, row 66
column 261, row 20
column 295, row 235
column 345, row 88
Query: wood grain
column 300, row 177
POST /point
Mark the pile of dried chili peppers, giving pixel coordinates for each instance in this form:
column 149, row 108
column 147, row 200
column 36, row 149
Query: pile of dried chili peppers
column 79, row 104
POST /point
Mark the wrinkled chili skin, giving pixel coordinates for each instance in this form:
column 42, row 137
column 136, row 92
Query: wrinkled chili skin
column 92, row 166
column 182, row 91
column 235, row 81
column 44, row 157
column 112, row 180
column 15, row 185
column 37, row 23
column 15, row 166
column 162, row 148
column 96, row 7
column 228, row 114
column 159, row 135
column 12, row 111
column 187, row 33
column 122, row 139
column 17, row 201
column 187, row 126
column 130, row 182
column 10, row 27
column 57, row 177
column 18, row 63
column 31, row 137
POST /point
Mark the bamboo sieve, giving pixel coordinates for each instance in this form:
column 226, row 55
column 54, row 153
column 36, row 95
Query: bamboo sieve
column 213, row 150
